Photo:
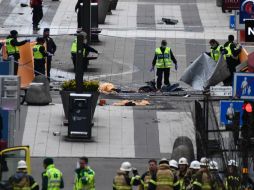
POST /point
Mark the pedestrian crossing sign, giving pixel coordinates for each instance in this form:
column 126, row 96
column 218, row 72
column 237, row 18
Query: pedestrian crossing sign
column 243, row 86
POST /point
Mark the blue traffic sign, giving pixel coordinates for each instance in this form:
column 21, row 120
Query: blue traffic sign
column 232, row 21
column 243, row 86
column 229, row 110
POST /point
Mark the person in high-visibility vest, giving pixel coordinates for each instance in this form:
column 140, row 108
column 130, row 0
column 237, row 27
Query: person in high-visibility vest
column 162, row 60
column 147, row 176
column 232, row 179
column 40, row 55
column 216, row 50
column 52, row 178
column 86, row 50
column 21, row 180
column 122, row 181
column 233, row 51
column 12, row 49
column 84, row 176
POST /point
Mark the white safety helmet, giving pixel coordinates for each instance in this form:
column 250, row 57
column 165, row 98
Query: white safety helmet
column 22, row 164
column 183, row 161
column 232, row 163
column 195, row 165
column 213, row 165
column 164, row 161
column 126, row 166
column 204, row 161
column 173, row 163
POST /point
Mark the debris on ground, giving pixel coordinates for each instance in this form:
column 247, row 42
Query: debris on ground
column 150, row 87
column 107, row 88
column 132, row 103
column 169, row 21
column 102, row 102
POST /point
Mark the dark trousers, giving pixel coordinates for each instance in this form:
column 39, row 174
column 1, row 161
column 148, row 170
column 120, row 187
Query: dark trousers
column 74, row 59
column 231, row 64
column 37, row 15
column 159, row 74
column 16, row 62
column 49, row 59
column 39, row 67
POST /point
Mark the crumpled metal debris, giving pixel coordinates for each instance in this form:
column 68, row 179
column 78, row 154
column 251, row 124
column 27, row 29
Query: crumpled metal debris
column 205, row 72
column 132, row 103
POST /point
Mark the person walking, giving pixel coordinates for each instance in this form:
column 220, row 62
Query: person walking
column 147, row 176
column 52, row 178
column 123, row 181
column 86, row 50
column 37, row 11
column 40, row 55
column 84, row 176
column 21, row 180
column 12, row 49
column 51, row 49
column 162, row 60
column 233, row 51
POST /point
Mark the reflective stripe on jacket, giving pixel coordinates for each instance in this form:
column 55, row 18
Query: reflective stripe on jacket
column 230, row 54
column 120, row 183
column 163, row 59
column 11, row 49
column 54, row 177
column 84, row 179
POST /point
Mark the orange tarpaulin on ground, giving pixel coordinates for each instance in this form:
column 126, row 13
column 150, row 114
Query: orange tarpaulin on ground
column 26, row 64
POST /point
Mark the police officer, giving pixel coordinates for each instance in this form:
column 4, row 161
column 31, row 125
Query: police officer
column 163, row 59
column 86, row 50
column 232, row 179
column 40, row 55
column 12, row 45
column 232, row 57
column 216, row 50
column 123, row 181
column 145, row 178
column 52, row 178
column 164, row 178
column 84, row 176
column 21, row 180
column 51, row 49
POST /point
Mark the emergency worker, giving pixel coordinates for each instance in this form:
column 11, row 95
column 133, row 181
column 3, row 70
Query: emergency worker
column 162, row 60
column 147, row 176
column 123, row 181
column 21, row 180
column 84, row 176
column 216, row 50
column 52, row 178
column 233, row 51
column 12, row 49
column 40, row 55
column 203, row 178
column 218, row 182
column 232, row 179
column 164, row 178
column 183, row 173
column 173, row 166
column 86, row 50
column 194, row 168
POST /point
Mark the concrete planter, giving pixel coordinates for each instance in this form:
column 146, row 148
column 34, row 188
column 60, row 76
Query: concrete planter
column 103, row 6
column 65, row 100
column 114, row 4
